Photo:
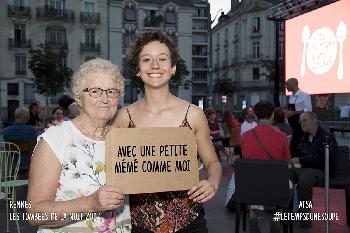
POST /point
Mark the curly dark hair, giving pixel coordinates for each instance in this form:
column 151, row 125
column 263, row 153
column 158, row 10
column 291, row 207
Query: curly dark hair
column 142, row 39
column 263, row 109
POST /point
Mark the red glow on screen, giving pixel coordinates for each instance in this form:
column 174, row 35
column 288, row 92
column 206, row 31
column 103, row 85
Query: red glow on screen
column 317, row 49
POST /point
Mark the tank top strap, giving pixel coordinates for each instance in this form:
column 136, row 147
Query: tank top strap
column 131, row 122
column 185, row 122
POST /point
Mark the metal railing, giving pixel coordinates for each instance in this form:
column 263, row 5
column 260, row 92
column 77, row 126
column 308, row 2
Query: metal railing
column 53, row 13
column 57, row 45
column 15, row 43
column 18, row 11
column 88, row 17
column 90, row 47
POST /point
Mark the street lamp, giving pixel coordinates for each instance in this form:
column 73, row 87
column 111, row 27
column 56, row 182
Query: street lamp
column 210, row 102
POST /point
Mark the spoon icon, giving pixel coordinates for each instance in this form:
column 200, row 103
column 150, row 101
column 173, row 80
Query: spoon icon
column 341, row 35
column 305, row 36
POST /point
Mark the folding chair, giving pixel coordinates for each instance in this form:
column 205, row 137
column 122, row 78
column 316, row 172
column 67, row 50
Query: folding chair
column 262, row 182
column 9, row 165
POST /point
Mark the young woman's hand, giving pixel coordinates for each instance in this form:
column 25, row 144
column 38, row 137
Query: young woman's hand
column 202, row 192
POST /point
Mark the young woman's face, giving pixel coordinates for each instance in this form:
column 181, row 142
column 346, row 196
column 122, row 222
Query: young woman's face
column 155, row 64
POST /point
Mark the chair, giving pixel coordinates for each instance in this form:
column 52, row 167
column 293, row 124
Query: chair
column 341, row 178
column 26, row 148
column 9, row 165
column 262, row 182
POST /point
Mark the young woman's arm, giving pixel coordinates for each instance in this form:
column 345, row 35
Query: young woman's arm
column 205, row 189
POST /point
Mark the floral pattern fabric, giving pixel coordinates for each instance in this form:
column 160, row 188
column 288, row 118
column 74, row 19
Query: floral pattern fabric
column 164, row 212
column 83, row 172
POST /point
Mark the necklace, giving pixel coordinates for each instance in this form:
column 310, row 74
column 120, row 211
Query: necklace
column 92, row 134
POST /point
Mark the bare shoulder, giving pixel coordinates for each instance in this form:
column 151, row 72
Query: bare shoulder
column 196, row 117
column 122, row 118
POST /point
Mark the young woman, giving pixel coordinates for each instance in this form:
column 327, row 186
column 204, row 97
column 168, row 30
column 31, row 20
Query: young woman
column 153, row 58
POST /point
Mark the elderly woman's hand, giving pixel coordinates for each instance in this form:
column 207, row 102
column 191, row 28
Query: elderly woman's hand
column 202, row 192
column 106, row 198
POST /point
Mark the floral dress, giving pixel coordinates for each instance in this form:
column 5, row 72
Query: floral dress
column 82, row 173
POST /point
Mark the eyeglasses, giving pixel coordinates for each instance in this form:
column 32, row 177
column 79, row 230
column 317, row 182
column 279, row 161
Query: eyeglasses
column 97, row 92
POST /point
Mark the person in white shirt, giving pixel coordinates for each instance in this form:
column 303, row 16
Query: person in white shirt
column 299, row 102
column 249, row 123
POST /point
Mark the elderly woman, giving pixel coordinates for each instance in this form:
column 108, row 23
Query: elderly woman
column 67, row 175
column 153, row 59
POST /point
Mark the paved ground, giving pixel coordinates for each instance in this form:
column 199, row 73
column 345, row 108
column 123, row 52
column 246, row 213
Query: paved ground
column 220, row 220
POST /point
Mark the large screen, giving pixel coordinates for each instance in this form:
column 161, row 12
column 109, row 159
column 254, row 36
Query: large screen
column 317, row 49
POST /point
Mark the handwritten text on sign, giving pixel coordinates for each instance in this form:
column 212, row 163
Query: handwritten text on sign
column 146, row 160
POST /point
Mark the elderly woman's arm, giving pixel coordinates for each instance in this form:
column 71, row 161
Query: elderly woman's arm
column 205, row 189
column 44, row 175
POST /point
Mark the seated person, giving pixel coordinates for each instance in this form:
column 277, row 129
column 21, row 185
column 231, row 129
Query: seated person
column 57, row 117
column 274, row 142
column 217, row 135
column 281, row 122
column 19, row 131
column 248, row 116
column 311, row 156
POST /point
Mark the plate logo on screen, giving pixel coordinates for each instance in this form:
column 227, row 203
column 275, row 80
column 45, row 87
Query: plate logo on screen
column 320, row 49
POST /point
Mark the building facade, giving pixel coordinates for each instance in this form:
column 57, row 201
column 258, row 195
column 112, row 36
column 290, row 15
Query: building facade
column 186, row 22
column 77, row 27
column 244, row 51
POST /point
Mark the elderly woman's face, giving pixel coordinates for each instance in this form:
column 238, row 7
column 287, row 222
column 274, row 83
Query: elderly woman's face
column 101, row 107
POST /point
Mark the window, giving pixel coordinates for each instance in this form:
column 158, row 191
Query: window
column 201, row 12
column 170, row 17
column 56, row 4
column 218, row 58
column 20, row 64
column 56, row 36
column 256, row 24
column 12, row 89
column 256, row 50
column 226, row 55
column 90, row 37
column 235, row 52
column 256, row 73
column 89, row 8
column 130, row 14
column 19, row 33
column 151, row 19
column 18, row 2
column 28, row 93
column 226, row 34
column 236, row 29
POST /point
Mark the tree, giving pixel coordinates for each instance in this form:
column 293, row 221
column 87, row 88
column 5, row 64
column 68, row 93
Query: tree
column 51, row 76
column 271, row 70
column 224, row 86
column 180, row 75
column 177, row 80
